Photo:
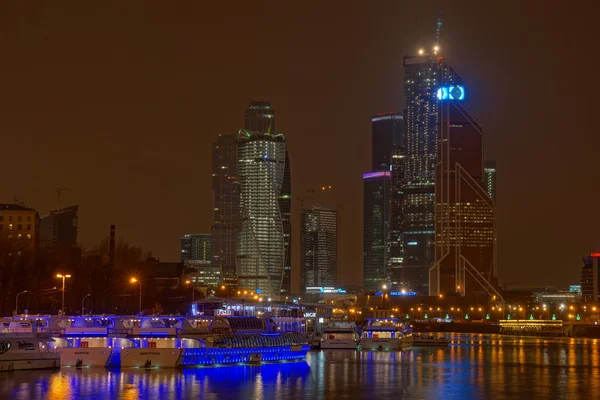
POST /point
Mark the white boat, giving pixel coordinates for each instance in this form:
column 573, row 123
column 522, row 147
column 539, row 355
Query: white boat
column 386, row 334
column 22, row 347
column 81, row 341
column 429, row 340
column 339, row 336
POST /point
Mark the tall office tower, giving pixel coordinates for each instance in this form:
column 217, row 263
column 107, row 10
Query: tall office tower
column 264, row 245
column 489, row 179
column 388, row 148
column 196, row 247
column 319, row 251
column 423, row 75
column 226, row 205
column 59, row 229
column 465, row 217
column 377, row 202
column 387, row 133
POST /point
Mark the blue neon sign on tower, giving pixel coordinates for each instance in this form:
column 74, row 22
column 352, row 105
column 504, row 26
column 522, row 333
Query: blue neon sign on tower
column 452, row 92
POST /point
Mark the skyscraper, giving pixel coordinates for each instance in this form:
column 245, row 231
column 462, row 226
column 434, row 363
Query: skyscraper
column 423, row 75
column 263, row 255
column 377, row 202
column 465, row 218
column 387, row 133
column 388, row 148
column 196, row 247
column 319, row 250
column 226, row 205
column 489, row 179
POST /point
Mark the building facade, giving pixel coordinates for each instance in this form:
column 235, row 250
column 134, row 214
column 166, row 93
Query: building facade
column 319, row 248
column 264, row 241
column 196, row 247
column 226, row 206
column 423, row 75
column 376, row 233
column 60, row 228
column 590, row 278
column 465, row 215
column 489, row 179
column 19, row 229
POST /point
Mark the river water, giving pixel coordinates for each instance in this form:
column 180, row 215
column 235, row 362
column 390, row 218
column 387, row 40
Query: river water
column 473, row 367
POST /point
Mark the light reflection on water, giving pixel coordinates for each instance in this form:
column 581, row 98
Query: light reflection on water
column 473, row 366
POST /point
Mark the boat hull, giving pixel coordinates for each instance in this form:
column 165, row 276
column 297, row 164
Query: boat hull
column 339, row 344
column 384, row 344
column 149, row 357
column 84, row 357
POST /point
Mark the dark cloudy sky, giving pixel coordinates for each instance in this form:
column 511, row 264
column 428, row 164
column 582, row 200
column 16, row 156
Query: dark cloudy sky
column 120, row 102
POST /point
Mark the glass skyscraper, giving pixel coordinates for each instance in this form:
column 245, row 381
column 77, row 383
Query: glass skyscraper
column 226, row 205
column 388, row 148
column 319, row 252
column 465, row 217
column 196, row 247
column 263, row 248
column 376, row 234
column 423, row 76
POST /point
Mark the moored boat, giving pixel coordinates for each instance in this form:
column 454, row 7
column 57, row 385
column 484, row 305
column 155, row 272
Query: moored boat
column 429, row 340
column 339, row 336
column 22, row 347
column 386, row 334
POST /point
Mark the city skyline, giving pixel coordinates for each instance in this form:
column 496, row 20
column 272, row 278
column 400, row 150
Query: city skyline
column 123, row 156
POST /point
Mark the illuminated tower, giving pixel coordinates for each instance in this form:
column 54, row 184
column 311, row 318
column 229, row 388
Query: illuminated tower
column 226, row 205
column 263, row 248
column 423, row 75
column 465, row 217
column 319, row 248
column 388, row 147
column 376, row 234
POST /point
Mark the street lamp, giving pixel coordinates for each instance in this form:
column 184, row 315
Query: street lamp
column 188, row 282
column 17, row 302
column 134, row 281
column 63, row 277
column 83, row 302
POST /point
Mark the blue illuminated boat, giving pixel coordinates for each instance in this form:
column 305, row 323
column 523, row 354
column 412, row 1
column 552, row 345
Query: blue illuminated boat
column 205, row 341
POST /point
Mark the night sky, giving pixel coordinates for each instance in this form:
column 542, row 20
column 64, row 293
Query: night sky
column 120, row 102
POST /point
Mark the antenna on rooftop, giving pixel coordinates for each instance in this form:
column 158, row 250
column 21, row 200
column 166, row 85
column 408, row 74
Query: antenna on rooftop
column 438, row 28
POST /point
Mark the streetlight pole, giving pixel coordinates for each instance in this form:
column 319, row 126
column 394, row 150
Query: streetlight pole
column 17, row 302
column 64, row 277
column 83, row 302
column 135, row 280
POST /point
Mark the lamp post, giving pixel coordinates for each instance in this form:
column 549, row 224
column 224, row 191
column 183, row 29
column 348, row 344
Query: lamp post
column 63, row 277
column 193, row 289
column 17, row 302
column 83, row 302
column 134, row 281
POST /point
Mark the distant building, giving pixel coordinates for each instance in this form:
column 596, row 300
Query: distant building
column 465, row 215
column 264, row 241
column 19, row 228
column 590, row 278
column 319, row 248
column 60, row 229
column 203, row 273
column 489, row 179
column 376, row 234
column 226, row 205
column 196, row 247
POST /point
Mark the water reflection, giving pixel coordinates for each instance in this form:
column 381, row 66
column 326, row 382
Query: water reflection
column 473, row 366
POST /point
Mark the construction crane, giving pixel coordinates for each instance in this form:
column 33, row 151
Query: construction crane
column 58, row 191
